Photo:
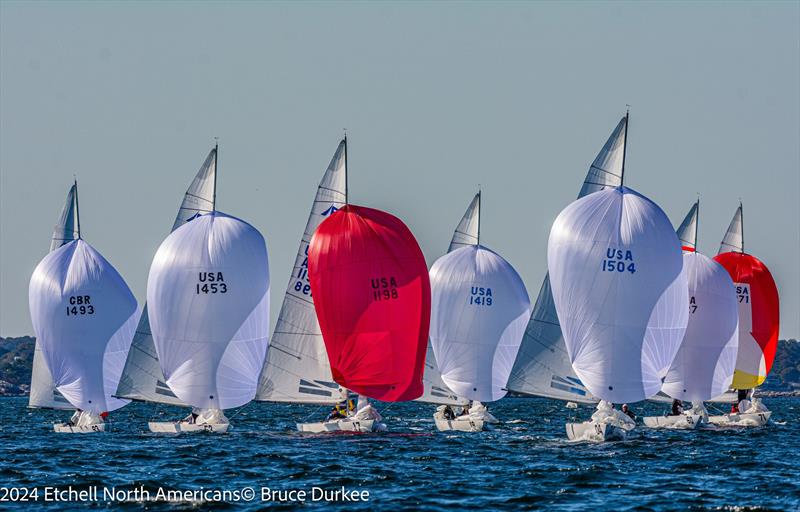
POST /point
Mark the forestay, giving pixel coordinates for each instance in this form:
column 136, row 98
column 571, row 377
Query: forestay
column 142, row 378
column 759, row 308
column 543, row 367
column 297, row 368
column 615, row 267
column 84, row 316
column 43, row 390
column 208, row 294
column 479, row 309
column 372, row 297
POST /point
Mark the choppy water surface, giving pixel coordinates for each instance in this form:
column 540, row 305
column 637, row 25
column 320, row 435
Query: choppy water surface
column 525, row 463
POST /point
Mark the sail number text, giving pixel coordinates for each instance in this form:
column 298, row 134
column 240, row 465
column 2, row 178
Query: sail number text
column 743, row 293
column 301, row 283
column 80, row 305
column 384, row 288
column 692, row 304
column 480, row 296
column 618, row 260
column 211, row 282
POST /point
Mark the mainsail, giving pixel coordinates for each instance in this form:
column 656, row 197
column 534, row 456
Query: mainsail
column 616, row 273
column 142, row 378
column 84, row 316
column 372, row 297
column 43, row 391
column 759, row 309
column 703, row 368
column 479, row 309
column 543, row 367
column 297, row 368
column 208, row 292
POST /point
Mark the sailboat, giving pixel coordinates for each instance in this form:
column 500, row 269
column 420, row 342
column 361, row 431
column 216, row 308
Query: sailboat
column 703, row 368
column 371, row 294
column 759, row 323
column 84, row 316
column 479, row 310
column 616, row 276
column 543, row 366
column 208, row 298
column 142, row 378
column 296, row 369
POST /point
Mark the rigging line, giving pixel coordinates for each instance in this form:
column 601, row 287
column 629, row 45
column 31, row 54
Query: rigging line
column 603, row 170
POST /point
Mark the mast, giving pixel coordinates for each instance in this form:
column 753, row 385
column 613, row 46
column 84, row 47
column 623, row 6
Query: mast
column 346, row 189
column 741, row 216
column 696, row 222
column 625, row 145
column 479, row 216
column 216, row 168
column 77, row 209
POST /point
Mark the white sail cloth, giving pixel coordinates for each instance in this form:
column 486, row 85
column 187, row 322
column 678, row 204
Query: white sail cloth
column 704, row 366
column 296, row 369
column 479, row 310
column 208, row 298
column 734, row 237
column 616, row 274
column 84, row 316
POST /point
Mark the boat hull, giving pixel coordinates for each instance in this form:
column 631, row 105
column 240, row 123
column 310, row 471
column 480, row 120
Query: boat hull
column 461, row 425
column 755, row 419
column 64, row 428
column 343, row 425
column 178, row 427
column 681, row 422
column 595, row 432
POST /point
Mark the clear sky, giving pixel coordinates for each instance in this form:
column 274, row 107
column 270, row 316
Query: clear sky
column 437, row 98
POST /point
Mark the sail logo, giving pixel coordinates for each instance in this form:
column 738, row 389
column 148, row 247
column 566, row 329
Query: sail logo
column 743, row 293
column 480, row 296
column 619, row 260
column 302, row 284
column 384, row 288
column 692, row 304
column 330, row 211
column 210, row 283
column 80, row 305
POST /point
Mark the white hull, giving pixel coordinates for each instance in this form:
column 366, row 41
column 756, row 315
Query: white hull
column 342, row 425
column 178, row 427
column 755, row 419
column 461, row 425
column 71, row 429
column 596, row 432
column 681, row 422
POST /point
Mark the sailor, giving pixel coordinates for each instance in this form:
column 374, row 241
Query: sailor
column 465, row 409
column 351, row 407
column 339, row 411
column 191, row 419
column 627, row 410
column 75, row 417
column 677, row 407
column 449, row 413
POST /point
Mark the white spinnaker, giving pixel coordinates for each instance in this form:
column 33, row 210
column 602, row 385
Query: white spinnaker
column 43, row 390
column 142, row 378
column 687, row 232
column 734, row 237
column 296, row 368
column 84, row 316
column 703, row 368
column 208, row 297
column 543, row 366
column 616, row 273
column 479, row 309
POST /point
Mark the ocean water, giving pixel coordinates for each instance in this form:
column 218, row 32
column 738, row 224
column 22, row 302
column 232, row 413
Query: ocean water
column 525, row 463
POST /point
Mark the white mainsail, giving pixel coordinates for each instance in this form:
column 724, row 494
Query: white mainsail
column 43, row 391
column 704, row 365
column 616, row 274
column 208, row 295
column 296, row 368
column 479, row 309
column 84, row 316
column 142, row 378
column 734, row 237
column 543, row 367
column 466, row 233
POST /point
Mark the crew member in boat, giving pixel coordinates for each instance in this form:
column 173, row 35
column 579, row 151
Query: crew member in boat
column 677, row 407
column 627, row 410
column 339, row 411
column 73, row 421
column 448, row 413
column 191, row 419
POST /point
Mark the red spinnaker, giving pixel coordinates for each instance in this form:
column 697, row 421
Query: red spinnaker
column 755, row 286
column 372, row 296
